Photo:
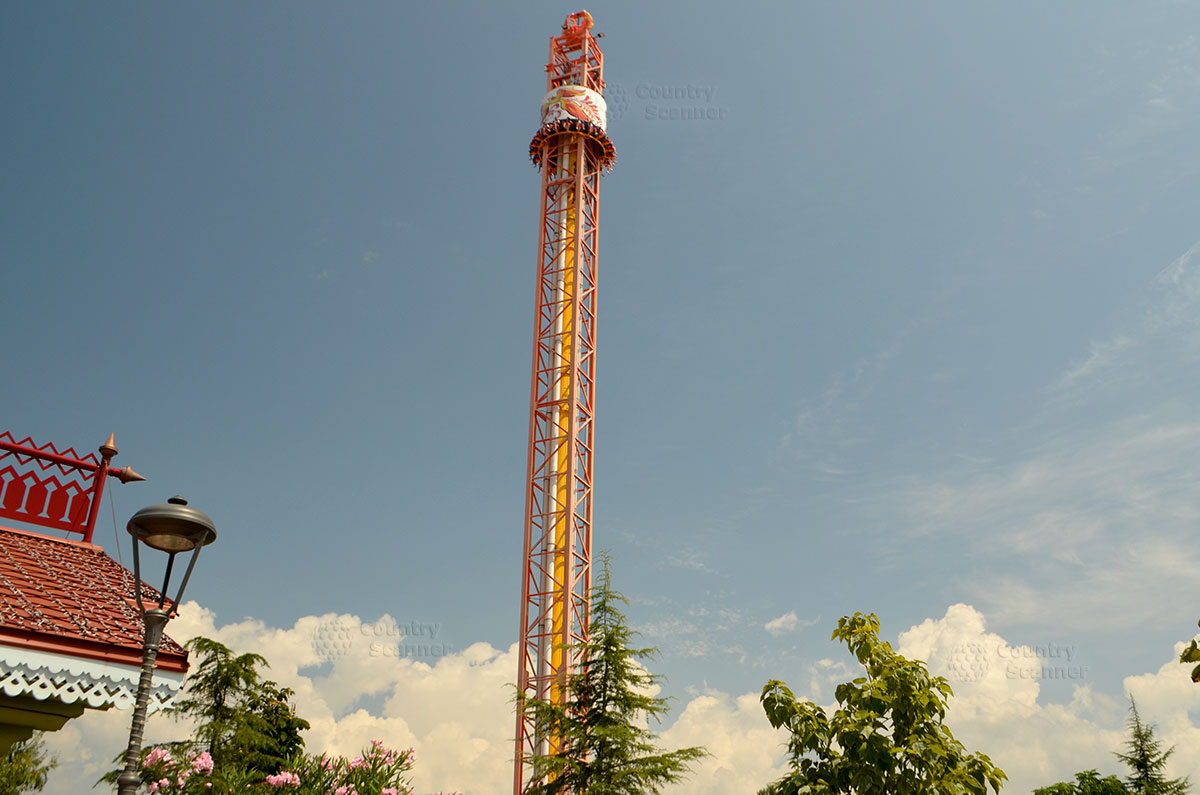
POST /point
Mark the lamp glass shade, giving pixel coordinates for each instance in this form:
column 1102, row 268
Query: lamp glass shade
column 172, row 527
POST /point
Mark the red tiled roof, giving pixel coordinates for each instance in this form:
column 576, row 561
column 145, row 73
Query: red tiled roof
column 69, row 597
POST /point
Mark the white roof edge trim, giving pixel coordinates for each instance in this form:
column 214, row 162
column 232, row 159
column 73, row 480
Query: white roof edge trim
column 97, row 683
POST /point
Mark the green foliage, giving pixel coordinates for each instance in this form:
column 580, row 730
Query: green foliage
column 218, row 688
column 377, row 770
column 245, row 724
column 887, row 736
column 268, row 734
column 1146, row 760
column 1086, row 783
column 1192, row 655
column 26, row 767
column 244, row 721
column 604, row 750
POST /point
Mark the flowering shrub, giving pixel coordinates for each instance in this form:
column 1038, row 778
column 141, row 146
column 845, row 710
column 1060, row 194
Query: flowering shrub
column 378, row 771
column 167, row 774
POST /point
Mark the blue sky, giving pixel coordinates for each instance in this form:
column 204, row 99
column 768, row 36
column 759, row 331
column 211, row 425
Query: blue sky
column 912, row 323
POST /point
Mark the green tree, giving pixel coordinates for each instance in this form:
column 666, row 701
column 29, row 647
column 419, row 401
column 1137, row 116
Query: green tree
column 1192, row 655
column 244, row 721
column 604, row 749
column 1086, row 783
column 887, row 736
column 269, row 732
column 217, row 692
column 1146, row 760
column 26, row 767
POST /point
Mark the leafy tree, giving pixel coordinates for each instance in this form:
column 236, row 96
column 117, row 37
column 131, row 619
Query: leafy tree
column 1146, row 760
column 245, row 721
column 1086, row 783
column 1192, row 655
column 887, row 736
column 604, row 750
column 26, row 767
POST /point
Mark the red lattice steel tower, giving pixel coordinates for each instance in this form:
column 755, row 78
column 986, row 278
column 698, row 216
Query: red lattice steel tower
column 572, row 149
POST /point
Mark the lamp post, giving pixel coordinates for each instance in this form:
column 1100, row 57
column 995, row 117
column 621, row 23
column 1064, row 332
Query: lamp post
column 172, row 528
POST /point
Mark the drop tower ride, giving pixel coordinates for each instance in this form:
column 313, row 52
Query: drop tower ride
column 572, row 149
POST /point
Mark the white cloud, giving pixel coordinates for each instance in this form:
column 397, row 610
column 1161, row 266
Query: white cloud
column 998, row 711
column 1094, row 527
column 788, row 622
column 690, row 561
column 456, row 711
column 785, row 623
column 1164, row 332
column 1102, row 355
column 453, row 709
column 746, row 753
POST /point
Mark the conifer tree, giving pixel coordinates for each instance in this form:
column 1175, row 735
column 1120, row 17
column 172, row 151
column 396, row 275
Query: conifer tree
column 603, row 747
column 244, row 722
column 1146, row 760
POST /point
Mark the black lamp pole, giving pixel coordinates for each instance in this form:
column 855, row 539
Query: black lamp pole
column 172, row 528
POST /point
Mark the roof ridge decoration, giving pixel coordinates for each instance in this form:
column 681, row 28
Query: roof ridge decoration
column 32, row 493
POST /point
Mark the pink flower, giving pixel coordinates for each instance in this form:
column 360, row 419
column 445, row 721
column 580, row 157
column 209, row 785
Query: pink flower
column 203, row 764
column 155, row 756
column 284, row 779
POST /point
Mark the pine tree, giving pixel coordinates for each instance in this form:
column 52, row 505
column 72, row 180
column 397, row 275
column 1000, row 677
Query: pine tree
column 1146, row 760
column 244, row 722
column 604, row 749
column 217, row 692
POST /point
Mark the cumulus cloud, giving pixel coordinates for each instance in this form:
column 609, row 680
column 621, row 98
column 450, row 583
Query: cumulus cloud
column 357, row 680
column 997, row 706
column 455, row 709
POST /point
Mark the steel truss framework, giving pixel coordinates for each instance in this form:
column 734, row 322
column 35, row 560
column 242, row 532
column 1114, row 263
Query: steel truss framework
column 557, row 551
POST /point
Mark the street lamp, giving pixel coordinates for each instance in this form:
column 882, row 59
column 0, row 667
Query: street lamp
column 172, row 528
